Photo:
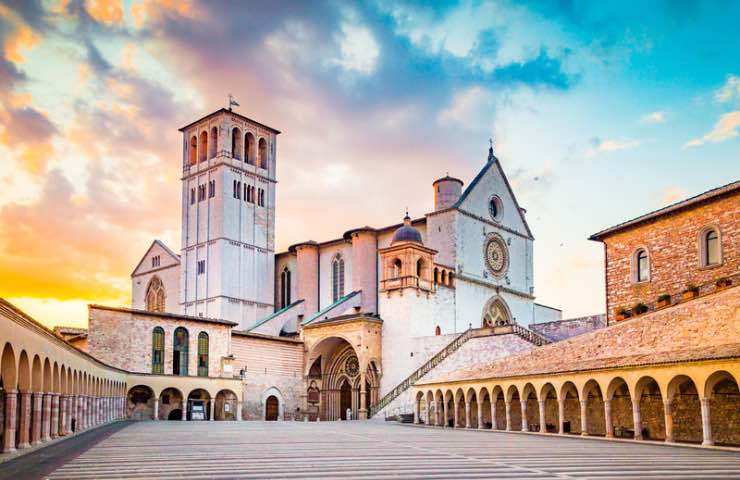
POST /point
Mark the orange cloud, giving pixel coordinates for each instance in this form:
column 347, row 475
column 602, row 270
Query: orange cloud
column 105, row 11
column 153, row 9
column 24, row 39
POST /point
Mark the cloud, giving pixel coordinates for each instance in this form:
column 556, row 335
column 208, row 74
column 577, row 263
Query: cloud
column 654, row 117
column 599, row 146
column 726, row 128
column 671, row 194
column 729, row 91
column 358, row 49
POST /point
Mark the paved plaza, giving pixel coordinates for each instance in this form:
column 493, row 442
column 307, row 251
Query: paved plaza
column 377, row 450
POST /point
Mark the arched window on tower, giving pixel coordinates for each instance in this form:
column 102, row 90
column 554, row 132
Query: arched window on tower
column 641, row 266
column 203, row 154
column 250, row 147
column 193, row 150
column 337, row 273
column 396, row 268
column 262, row 154
column 180, row 352
column 155, row 295
column 213, row 143
column 236, row 143
column 438, row 331
column 285, row 288
column 419, row 267
column 436, row 275
column 158, row 350
column 202, row 354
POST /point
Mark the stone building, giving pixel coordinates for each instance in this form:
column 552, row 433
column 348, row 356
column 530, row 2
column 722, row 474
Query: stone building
column 668, row 372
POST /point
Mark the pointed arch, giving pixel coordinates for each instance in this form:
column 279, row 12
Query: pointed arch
column 496, row 313
column 337, row 277
column 155, row 295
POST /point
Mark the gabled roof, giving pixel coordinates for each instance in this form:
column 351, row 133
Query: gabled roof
column 172, row 254
column 226, row 110
column 492, row 161
column 270, row 317
column 729, row 189
column 325, row 310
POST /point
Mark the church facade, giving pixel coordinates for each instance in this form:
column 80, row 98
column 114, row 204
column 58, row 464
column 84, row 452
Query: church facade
column 368, row 308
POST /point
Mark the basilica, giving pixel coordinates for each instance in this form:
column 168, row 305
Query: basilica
column 348, row 318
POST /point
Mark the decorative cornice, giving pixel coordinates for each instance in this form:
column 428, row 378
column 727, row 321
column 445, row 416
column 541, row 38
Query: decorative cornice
column 498, row 288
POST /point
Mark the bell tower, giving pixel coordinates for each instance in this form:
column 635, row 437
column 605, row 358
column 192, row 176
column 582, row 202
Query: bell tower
column 228, row 218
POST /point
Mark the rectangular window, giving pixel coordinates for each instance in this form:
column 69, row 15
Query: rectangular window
column 155, row 261
column 192, row 196
column 211, row 188
column 201, row 268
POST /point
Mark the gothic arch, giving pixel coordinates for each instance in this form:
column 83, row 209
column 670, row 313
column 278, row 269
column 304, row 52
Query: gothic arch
column 496, row 313
column 273, row 392
column 155, row 295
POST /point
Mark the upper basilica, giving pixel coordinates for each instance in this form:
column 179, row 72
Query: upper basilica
column 388, row 298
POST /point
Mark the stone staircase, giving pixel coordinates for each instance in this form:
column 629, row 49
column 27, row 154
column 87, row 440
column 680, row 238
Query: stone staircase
column 448, row 350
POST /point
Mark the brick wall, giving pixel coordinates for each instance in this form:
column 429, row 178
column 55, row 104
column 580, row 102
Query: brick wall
column 672, row 243
column 269, row 364
column 562, row 329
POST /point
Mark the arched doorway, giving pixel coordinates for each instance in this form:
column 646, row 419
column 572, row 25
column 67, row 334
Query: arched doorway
column 170, row 404
column 345, row 399
column 141, row 403
column 199, row 405
column 226, row 405
column 272, row 408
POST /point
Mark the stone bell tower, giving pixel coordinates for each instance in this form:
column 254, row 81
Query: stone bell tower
column 228, row 218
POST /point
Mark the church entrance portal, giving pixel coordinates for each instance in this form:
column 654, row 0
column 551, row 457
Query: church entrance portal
column 345, row 399
column 271, row 408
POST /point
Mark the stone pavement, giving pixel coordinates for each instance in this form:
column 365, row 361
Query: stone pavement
column 377, row 450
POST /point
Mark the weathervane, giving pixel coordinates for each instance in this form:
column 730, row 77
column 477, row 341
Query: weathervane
column 232, row 102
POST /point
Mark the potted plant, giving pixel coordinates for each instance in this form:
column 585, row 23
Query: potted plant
column 639, row 309
column 663, row 301
column 622, row 313
column 692, row 291
column 722, row 283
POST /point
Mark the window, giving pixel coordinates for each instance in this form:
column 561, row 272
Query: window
column 438, row 331
column 202, row 354
column 201, row 268
column 155, row 261
column 495, row 208
column 285, row 288
column 158, row 350
column 249, row 147
column 496, row 314
column 262, row 154
column 396, row 273
column 203, row 155
column 419, row 267
column 201, row 192
column 710, row 243
column 236, row 143
column 238, row 190
column 213, row 142
column 337, row 274
column 155, row 296
column 245, row 191
column 642, row 266
column 192, row 196
column 180, row 352
column 193, row 150
column 211, row 188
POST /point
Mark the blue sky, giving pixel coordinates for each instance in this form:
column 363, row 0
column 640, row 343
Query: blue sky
column 600, row 111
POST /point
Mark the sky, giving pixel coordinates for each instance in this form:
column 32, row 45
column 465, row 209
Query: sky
column 599, row 112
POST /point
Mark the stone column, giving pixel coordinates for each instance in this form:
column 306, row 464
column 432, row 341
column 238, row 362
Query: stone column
column 636, row 419
column 61, row 427
column 584, row 420
column 156, row 409
column 47, row 417
column 11, row 405
column 525, row 423
column 467, row 414
column 438, row 414
column 706, row 422
column 444, row 414
column 543, row 426
column 456, row 422
column 561, row 416
column 184, row 410
column 508, row 416
column 480, row 416
column 668, row 409
column 210, row 410
column 493, row 414
column 608, row 418
column 238, row 410
column 24, row 424
column 68, row 410
column 36, row 402
column 54, row 421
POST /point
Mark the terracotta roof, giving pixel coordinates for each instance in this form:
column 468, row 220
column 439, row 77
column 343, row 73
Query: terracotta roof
column 62, row 330
column 680, row 333
column 712, row 194
column 173, row 316
column 225, row 110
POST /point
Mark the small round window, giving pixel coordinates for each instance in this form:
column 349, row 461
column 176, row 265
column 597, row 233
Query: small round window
column 495, row 208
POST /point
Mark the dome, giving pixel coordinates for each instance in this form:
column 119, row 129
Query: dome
column 406, row 233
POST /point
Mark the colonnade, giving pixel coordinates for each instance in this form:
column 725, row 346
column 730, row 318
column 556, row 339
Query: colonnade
column 694, row 404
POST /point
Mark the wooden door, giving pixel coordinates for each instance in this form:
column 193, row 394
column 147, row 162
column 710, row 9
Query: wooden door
column 272, row 408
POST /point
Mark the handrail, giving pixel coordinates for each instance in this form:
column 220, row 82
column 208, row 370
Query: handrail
column 421, row 371
column 529, row 335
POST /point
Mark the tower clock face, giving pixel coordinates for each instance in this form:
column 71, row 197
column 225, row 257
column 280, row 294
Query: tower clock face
column 497, row 255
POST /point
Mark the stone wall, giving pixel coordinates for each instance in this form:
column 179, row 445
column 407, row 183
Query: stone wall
column 122, row 338
column 672, row 243
column 270, row 364
column 562, row 329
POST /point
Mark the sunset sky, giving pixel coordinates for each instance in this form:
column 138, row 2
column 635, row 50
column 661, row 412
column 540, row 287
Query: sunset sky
column 599, row 110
